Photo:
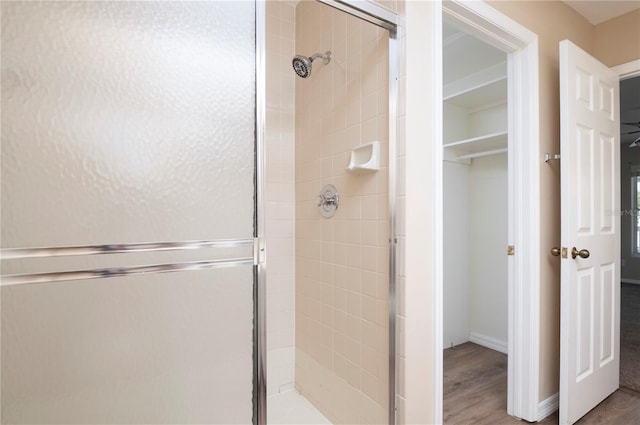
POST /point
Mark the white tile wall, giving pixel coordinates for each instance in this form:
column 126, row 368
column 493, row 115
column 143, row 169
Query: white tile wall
column 280, row 201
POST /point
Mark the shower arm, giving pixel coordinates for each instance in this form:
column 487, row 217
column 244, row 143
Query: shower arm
column 326, row 57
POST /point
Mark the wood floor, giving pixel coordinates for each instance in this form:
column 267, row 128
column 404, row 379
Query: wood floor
column 475, row 392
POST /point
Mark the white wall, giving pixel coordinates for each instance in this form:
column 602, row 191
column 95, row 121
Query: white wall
column 418, row 248
column 475, row 261
column 488, row 244
column 475, row 225
column 456, row 123
column 456, row 253
column 491, row 119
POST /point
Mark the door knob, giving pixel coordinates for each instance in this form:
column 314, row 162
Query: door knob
column 583, row 253
column 555, row 251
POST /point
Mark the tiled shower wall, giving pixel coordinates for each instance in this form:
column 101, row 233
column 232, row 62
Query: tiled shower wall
column 280, row 197
column 342, row 262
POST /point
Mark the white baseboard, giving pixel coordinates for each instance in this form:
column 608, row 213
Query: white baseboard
column 548, row 406
column 623, row 280
column 489, row 342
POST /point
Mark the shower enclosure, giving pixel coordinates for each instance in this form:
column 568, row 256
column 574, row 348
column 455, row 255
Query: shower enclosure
column 128, row 212
column 146, row 149
column 330, row 102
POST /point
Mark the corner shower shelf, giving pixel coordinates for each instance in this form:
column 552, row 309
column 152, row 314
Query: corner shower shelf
column 475, row 147
column 365, row 159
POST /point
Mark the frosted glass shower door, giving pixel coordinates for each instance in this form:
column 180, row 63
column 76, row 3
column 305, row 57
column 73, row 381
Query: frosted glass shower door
column 127, row 228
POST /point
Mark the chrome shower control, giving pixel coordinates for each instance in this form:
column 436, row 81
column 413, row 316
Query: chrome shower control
column 328, row 200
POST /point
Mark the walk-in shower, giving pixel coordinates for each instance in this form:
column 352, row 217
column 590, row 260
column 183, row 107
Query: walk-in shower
column 337, row 259
column 302, row 64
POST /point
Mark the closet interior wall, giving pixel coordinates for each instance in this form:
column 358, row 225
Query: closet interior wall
column 475, row 191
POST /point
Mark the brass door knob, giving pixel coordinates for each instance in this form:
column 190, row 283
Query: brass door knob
column 555, row 251
column 583, row 253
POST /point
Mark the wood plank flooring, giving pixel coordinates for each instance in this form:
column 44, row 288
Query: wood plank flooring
column 475, row 392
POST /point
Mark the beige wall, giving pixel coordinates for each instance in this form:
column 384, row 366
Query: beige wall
column 554, row 21
column 342, row 262
column 617, row 40
column 280, row 195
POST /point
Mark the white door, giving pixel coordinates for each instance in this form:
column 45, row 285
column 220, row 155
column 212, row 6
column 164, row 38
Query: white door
column 590, row 292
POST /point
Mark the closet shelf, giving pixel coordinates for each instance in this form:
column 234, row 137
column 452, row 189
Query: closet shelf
column 488, row 93
column 489, row 144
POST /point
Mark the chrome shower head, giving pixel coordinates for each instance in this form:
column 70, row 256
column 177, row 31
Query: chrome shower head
column 302, row 64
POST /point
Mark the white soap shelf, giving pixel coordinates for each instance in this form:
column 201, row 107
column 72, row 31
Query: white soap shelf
column 365, row 159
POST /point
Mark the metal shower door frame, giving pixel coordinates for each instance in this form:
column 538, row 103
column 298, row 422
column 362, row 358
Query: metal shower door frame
column 260, row 267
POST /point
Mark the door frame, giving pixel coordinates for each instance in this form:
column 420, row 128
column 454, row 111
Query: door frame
column 625, row 71
column 628, row 70
column 521, row 45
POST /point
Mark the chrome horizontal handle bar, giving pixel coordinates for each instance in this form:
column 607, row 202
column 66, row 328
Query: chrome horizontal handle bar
column 21, row 279
column 15, row 253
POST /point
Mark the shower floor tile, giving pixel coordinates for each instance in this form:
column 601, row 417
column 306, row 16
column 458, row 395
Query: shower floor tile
column 292, row 408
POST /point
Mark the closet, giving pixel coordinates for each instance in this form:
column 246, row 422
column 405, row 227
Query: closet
column 475, row 191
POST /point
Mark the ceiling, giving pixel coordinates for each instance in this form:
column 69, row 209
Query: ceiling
column 597, row 11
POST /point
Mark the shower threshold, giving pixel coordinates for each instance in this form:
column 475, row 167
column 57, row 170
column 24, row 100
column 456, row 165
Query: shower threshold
column 292, row 408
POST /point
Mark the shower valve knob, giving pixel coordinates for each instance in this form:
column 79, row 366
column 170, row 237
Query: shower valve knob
column 327, row 201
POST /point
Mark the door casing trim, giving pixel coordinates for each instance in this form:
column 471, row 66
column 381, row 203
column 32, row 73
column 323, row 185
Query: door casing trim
column 521, row 45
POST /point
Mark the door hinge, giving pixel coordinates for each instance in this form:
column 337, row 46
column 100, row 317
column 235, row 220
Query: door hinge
column 511, row 250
